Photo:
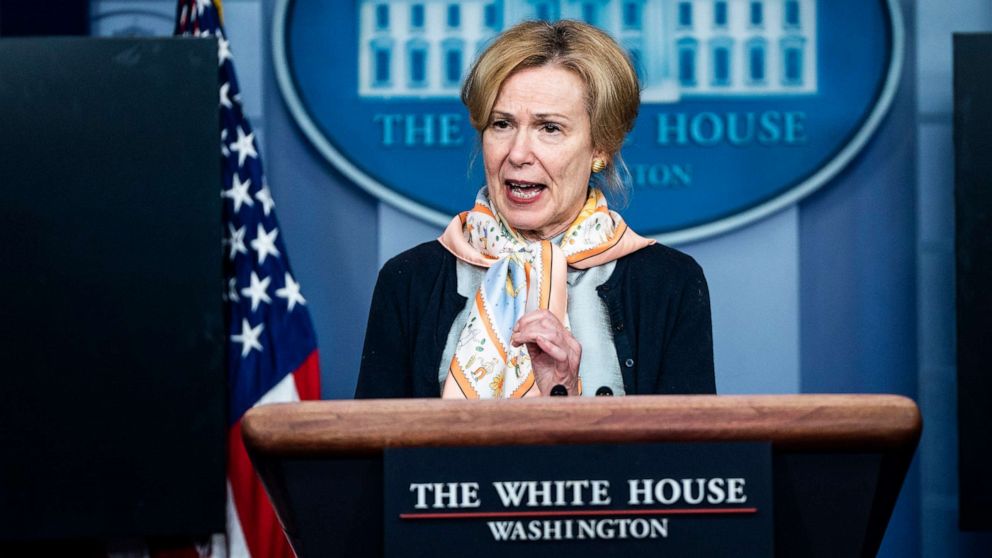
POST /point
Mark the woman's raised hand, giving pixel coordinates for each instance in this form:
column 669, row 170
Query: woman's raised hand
column 554, row 353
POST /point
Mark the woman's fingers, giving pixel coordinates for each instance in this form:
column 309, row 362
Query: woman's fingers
column 536, row 324
column 544, row 336
column 555, row 353
column 538, row 316
column 553, row 350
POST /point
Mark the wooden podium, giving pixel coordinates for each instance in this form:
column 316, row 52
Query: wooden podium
column 838, row 461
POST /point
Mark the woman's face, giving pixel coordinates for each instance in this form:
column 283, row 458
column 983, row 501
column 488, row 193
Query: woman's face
column 538, row 150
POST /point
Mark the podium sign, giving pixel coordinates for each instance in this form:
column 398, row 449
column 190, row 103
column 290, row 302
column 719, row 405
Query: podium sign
column 675, row 499
column 837, row 462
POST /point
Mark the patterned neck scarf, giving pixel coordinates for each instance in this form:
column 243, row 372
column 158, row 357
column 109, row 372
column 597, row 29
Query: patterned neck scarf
column 522, row 276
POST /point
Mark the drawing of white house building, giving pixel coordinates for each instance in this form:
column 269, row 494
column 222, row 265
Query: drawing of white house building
column 681, row 48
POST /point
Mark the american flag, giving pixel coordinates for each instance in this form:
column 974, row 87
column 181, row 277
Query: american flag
column 272, row 349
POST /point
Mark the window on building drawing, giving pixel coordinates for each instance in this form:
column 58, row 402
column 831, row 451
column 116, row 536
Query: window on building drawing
column 590, row 13
column 792, row 61
column 417, row 16
column 687, row 62
column 454, row 15
column 381, row 63
column 453, row 57
column 490, row 15
column 791, row 15
column 720, row 13
column 382, row 16
column 685, row 14
column 417, row 62
column 757, row 13
column 632, row 14
column 756, row 62
column 720, row 62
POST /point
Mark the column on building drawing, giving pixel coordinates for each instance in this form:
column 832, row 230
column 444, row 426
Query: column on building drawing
column 685, row 14
column 660, row 43
column 364, row 58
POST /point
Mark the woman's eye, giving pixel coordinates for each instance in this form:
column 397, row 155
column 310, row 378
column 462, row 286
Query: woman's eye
column 551, row 128
column 500, row 124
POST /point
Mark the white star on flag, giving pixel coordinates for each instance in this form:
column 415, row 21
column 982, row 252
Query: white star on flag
column 265, row 243
column 223, row 51
column 237, row 241
column 248, row 337
column 243, row 146
column 239, row 193
column 201, row 5
column 223, row 143
column 265, row 196
column 257, row 291
column 291, row 292
column 225, row 101
column 232, row 290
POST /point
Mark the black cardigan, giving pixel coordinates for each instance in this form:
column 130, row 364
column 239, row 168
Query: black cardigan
column 657, row 300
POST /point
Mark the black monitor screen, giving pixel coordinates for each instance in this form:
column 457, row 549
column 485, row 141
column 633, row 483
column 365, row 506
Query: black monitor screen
column 112, row 405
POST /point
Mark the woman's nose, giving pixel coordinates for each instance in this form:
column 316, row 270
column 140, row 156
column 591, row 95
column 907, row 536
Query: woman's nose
column 520, row 149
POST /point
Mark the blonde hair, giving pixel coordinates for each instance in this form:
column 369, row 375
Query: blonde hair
column 612, row 89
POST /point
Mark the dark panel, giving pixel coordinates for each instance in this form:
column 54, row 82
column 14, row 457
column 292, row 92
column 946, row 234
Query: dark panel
column 822, row 504
column 973, row 247
column 112, row 390
column 335, row 504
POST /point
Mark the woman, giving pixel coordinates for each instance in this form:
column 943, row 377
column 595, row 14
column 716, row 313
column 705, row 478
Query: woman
column 540, row 289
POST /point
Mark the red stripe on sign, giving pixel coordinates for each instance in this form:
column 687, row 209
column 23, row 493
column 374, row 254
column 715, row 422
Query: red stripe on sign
column 307, row 378
column 263, row 533
column 587, row 513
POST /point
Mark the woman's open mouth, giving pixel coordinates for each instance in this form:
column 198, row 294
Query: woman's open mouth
column 523, row 192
